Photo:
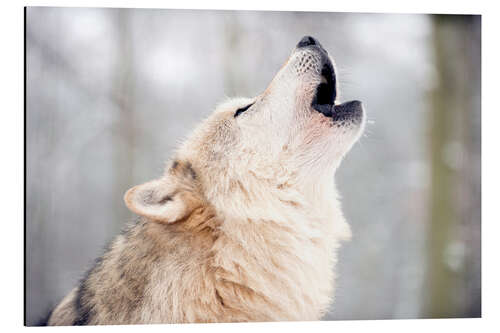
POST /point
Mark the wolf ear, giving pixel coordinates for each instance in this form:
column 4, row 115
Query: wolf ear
column 158, row 200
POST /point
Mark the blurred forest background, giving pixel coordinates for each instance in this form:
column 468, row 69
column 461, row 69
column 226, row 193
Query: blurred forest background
column 110, row 93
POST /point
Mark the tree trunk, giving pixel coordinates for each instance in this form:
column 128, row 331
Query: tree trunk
column 455, row 175
column 123, row 130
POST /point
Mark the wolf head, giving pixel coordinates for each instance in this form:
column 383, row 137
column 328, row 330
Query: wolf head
column 292, row 137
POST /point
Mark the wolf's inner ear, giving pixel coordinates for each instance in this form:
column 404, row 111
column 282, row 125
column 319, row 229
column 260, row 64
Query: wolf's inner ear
column 158, row 200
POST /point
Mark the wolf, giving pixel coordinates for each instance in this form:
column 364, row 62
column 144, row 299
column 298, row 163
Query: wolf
column 245, row 222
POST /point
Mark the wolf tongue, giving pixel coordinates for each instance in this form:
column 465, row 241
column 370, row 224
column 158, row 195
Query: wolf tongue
column 325, row 109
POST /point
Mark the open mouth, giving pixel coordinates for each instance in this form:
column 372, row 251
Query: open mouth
column 324, row 99
column 326, row 91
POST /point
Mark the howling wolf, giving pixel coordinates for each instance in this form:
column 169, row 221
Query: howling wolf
column 244, row 223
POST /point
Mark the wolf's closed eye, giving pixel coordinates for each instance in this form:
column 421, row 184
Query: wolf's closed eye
column 241, row 110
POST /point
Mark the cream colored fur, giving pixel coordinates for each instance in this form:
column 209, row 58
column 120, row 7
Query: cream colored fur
column 244, row 224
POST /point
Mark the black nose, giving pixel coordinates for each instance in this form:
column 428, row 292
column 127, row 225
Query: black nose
column 308, row 41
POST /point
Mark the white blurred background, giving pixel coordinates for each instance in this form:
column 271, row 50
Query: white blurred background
column 110, row 93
